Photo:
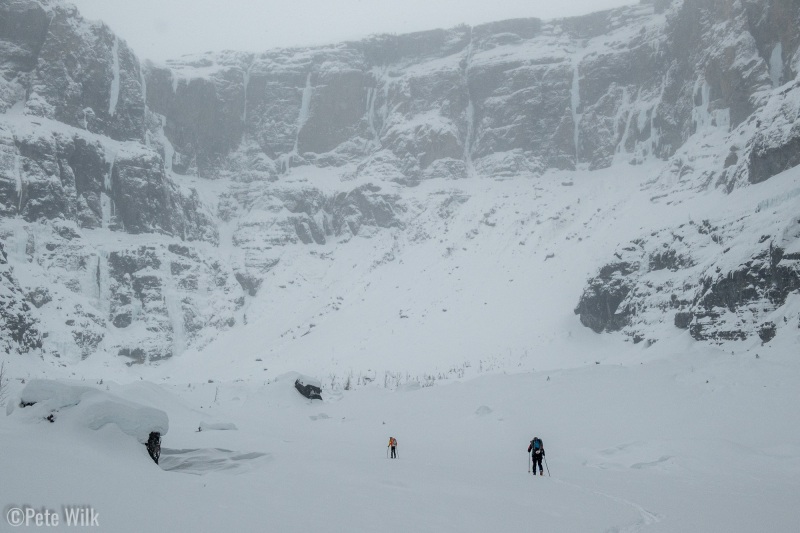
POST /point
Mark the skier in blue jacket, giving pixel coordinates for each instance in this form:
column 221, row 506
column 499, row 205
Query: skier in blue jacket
column 536, row 449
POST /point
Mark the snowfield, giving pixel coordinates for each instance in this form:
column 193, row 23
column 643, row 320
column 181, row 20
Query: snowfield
column 682, row 439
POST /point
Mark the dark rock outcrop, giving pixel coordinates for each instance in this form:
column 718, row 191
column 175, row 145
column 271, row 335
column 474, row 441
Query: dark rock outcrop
column 164, row 294
column 84, row 75
column 149, row 202
column 154, row 445
column 766, row 331
column 72, row 176
column 146, row 302
column 776, row 145
column 705, row 289
column 81, row 152
column 205, row 114
column 308, row 387
column 764, row 281
column 599, row 306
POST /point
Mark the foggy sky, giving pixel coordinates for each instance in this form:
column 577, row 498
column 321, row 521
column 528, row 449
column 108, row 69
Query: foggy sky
column 162, row 29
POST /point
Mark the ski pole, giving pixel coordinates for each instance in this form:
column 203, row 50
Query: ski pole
column 387, row 452
column 547, row 467
column 529, row 463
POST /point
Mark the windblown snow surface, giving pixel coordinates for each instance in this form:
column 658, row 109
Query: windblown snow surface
column 462, row 347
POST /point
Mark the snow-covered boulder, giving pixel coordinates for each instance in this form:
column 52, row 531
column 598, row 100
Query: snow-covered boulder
column 134, row 420
column 52, row 395
column 92, row 408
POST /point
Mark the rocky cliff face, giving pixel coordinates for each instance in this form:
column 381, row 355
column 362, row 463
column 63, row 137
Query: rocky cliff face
column 722, row 280
column 74, row 151
column 70, row 70
column 72, row 142
column 18, row 325
column 151, row 201
column 508, row 97
column 145, row 299
column 715, row 299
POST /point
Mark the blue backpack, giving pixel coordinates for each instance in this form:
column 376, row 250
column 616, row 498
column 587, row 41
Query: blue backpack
column 537, row 443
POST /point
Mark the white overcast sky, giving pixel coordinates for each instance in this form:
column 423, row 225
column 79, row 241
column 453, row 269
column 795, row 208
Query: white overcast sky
column 162, row 29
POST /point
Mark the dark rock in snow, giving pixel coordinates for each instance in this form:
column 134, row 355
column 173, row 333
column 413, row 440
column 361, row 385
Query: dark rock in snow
column 309, row 387
column 39, row 296
column 683, row 319
column 249, row 282
column 767, row 160
column 599, row 306
column 767, row 331
column 154, row 445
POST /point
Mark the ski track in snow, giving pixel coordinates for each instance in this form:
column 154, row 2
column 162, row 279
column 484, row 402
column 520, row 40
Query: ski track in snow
column 647, row 518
